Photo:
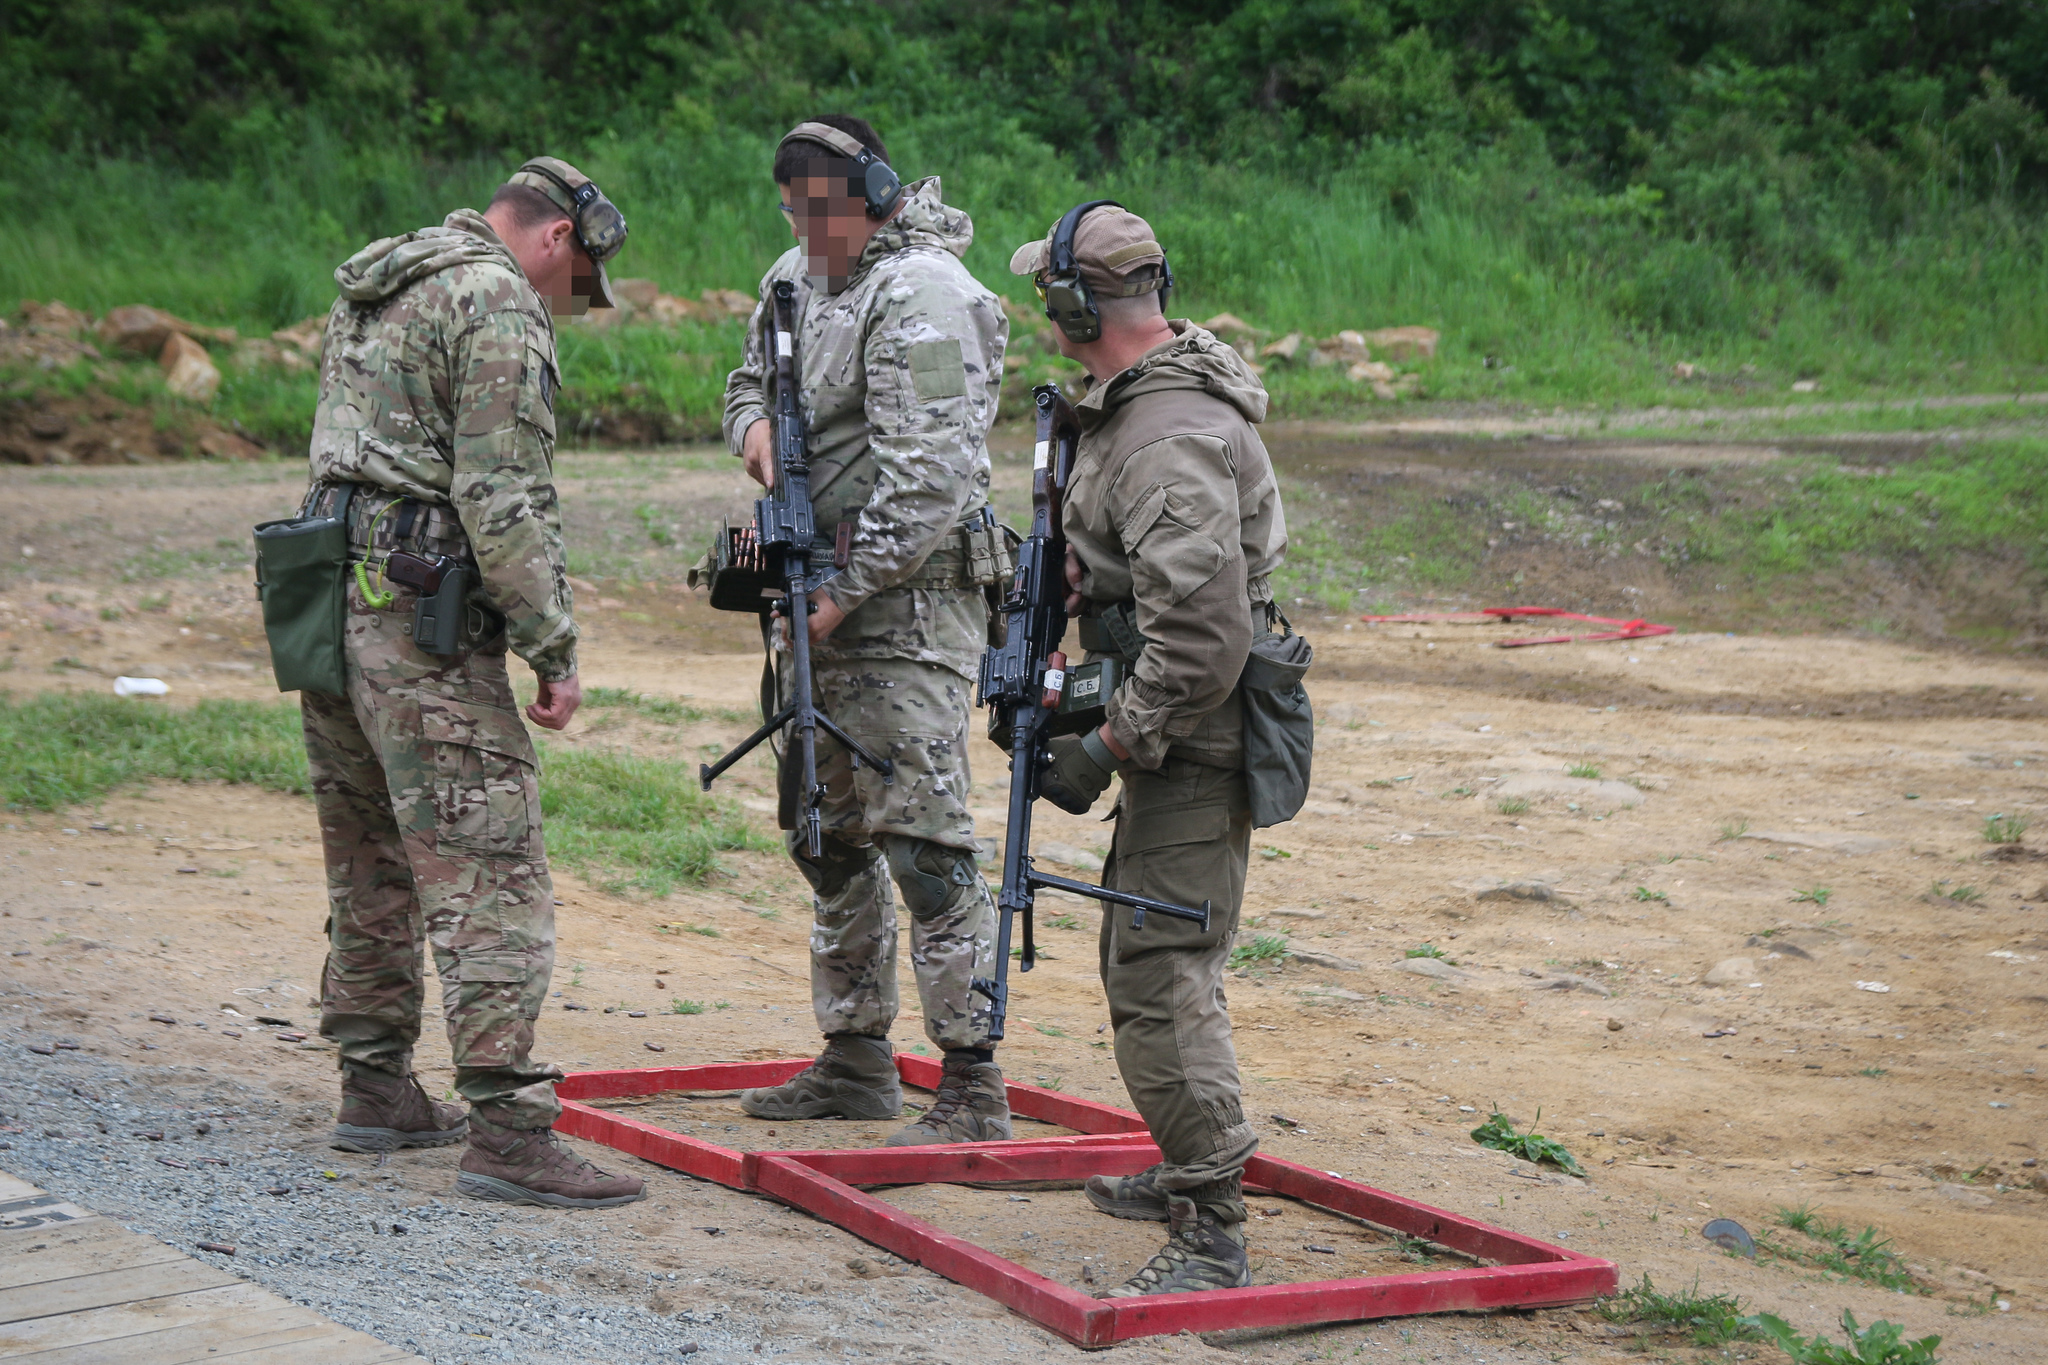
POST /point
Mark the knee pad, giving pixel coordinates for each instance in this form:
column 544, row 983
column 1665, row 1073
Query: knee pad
column 837, row 865
column 930, row 876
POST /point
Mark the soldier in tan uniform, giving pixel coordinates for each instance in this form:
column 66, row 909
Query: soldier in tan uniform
column 436, row 426
column 902, row 361
column 1174, row 525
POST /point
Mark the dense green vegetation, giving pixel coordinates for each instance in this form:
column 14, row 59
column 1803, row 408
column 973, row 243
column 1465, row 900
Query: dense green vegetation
column 625, row 821
column 1579, row 192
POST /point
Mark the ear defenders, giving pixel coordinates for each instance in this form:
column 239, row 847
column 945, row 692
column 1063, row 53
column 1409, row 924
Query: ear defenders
column 881, row 187
column 1069, row 302
column 600, row 227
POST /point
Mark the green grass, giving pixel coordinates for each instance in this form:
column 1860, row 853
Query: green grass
column 1512, row 805
column 679, row 1006
column 1818, row 895
column 664, row 710
column 1961, row 895
column 1881, row 1343
column 1732, row 829
column 2004, row 829
column 1586, row 770
column 1709, row 1319
column 1644, row 893
column 1262, row 948
column 1428, row 950
column 1832, row 1248
column 626, row 821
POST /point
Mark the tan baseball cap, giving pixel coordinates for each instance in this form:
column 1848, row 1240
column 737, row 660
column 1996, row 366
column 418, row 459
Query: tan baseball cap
column 600, row 227
column 1110, row 244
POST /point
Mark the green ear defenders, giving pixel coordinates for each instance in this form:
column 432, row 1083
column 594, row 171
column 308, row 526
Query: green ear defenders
column 880, row 185
column 1068, row 300
column 600, row 227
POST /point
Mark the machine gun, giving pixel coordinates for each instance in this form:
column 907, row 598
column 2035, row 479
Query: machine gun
column 1032, row 696
column 776, row 552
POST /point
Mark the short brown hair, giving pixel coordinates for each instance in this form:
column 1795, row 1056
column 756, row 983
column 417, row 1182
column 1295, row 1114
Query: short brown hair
column 792, row 156
column 528, row 207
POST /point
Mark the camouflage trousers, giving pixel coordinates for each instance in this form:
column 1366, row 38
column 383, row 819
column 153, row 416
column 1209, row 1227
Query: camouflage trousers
column 916, row 821
column 424, row 780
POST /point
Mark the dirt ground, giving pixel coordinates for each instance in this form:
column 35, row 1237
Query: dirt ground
column 1813, row 805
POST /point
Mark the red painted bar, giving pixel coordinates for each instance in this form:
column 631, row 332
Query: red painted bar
column 653, row 1080
column 978, row 1163
column 658, row 1145
column 1034, row 1101
column 1466, row 1235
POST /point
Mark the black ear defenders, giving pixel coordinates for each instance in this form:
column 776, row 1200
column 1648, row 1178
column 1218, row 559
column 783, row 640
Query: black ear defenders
column 880, row 185
column 1068, row 300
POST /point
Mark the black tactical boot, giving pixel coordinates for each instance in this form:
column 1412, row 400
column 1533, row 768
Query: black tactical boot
column 1202, row 1253
column 1130, row 1196
column 382, row 1113
column 853, row 1078
column 973, row 1106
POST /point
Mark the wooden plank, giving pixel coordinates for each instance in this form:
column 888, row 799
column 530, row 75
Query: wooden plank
column 247, row 1308
column 39, row 1211
column 81, row 1292
column 14, row 1187
column 73, row 1249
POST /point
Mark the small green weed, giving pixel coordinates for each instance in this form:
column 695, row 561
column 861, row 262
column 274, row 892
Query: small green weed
column 1733, row 829
column 1881, row 1343
column 721, row 1004
column 1262, row 948
column 1588, row 770
column 1456, row 793
column 1498, row 1132
column 1417, row 1250
column 1644, row 893
column 1428, row 950
column 1962, row 895
column 679, row 1006
column 1063, row 921
column 1050, row 1030
column 2004, row 829
column 1512, row 805
column 706, row 930
column 576, row 975
column 1876, row 1073
column 1711, row 1318
column 1817, row 894
column 1271, row 853
column 1861, row 1256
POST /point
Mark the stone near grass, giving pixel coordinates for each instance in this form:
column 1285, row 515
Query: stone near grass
column 1329, row 960
column 1405, row 343
column 1434, row 968
column 1348, row 346
column 1297, row 912
column 1519, row 891
column 1828, row 840
column 1733, row 971
column 1067, row 855
column 55, row 317
column 305, row 335
column 730, row 302
column 638, row 295
column 1286, row 348
column 188, row 371
column 140, row 328
column 1591, row 793
column 668, row 310
column 1370, row 372
column 1228, row 325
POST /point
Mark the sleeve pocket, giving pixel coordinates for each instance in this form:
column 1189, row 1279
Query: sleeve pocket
column 538, row 384
column 1170, row 558
column 936, row 369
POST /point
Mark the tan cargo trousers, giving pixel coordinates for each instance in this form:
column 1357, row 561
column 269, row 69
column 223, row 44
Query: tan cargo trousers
column 1183, row 834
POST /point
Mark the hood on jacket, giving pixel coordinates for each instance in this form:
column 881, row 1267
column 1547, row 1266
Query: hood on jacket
column 1195, row 359
column 922, row 221
column 386, row 266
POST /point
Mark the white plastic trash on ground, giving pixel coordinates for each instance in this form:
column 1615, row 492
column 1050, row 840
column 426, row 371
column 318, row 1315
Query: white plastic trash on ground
column 140, row 687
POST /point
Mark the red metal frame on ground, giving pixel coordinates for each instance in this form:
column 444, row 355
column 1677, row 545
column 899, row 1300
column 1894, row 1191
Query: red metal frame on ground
column 1637, row 629
column 1112, row 1141
column 1097, row 1123
column 1529, row 1273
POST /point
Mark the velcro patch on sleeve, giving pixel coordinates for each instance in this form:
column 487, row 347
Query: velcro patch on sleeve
column 936, row 369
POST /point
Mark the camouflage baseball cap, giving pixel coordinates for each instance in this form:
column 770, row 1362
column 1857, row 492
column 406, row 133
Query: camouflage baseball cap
column 1110, row 245
column 600, row 227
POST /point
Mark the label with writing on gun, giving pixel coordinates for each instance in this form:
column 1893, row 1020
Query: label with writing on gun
column 1021, row 683
column 785, row 525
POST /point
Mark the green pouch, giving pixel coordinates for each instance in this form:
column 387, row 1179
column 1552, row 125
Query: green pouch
column 302, row 582
column 1279, row 728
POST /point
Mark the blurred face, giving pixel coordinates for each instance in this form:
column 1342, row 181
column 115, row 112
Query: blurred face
column 831, row 222
column 555, row 263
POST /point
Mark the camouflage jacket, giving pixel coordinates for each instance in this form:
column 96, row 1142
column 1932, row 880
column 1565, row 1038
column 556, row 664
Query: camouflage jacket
column 437, row 381
column 1175, row 515
column 901, row 371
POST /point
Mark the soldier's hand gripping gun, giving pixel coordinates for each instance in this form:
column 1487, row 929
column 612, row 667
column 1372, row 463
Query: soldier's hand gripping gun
column 1032, row 696
column 780, row 548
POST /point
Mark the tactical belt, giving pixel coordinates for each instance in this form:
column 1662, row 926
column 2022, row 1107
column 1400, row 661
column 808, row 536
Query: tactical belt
column 1111, row 628
column 976, row 555
column 422, row 528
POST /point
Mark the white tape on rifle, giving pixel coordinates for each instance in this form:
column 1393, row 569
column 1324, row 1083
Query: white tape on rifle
column 1055, row 680
column 785, row 346
column 1042, row 456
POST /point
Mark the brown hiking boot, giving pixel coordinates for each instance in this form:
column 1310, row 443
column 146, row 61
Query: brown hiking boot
column 382, row 1113
column 531, row 1166
column 853, row 1078
column 1130, row 1196
column 1203, row 1253
column 973, row 1106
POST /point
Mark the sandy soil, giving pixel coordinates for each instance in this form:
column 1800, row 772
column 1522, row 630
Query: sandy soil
column 1812, row 805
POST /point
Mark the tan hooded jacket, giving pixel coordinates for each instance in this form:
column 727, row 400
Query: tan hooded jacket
column 1173, row 509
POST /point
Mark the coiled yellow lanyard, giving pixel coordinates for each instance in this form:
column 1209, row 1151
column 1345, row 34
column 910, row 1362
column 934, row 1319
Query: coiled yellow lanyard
column 371, row 596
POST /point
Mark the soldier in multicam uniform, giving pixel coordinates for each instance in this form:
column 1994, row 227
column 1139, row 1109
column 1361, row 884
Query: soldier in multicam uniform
column 901, row 352
column 437, row 386
column 1174, row 527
